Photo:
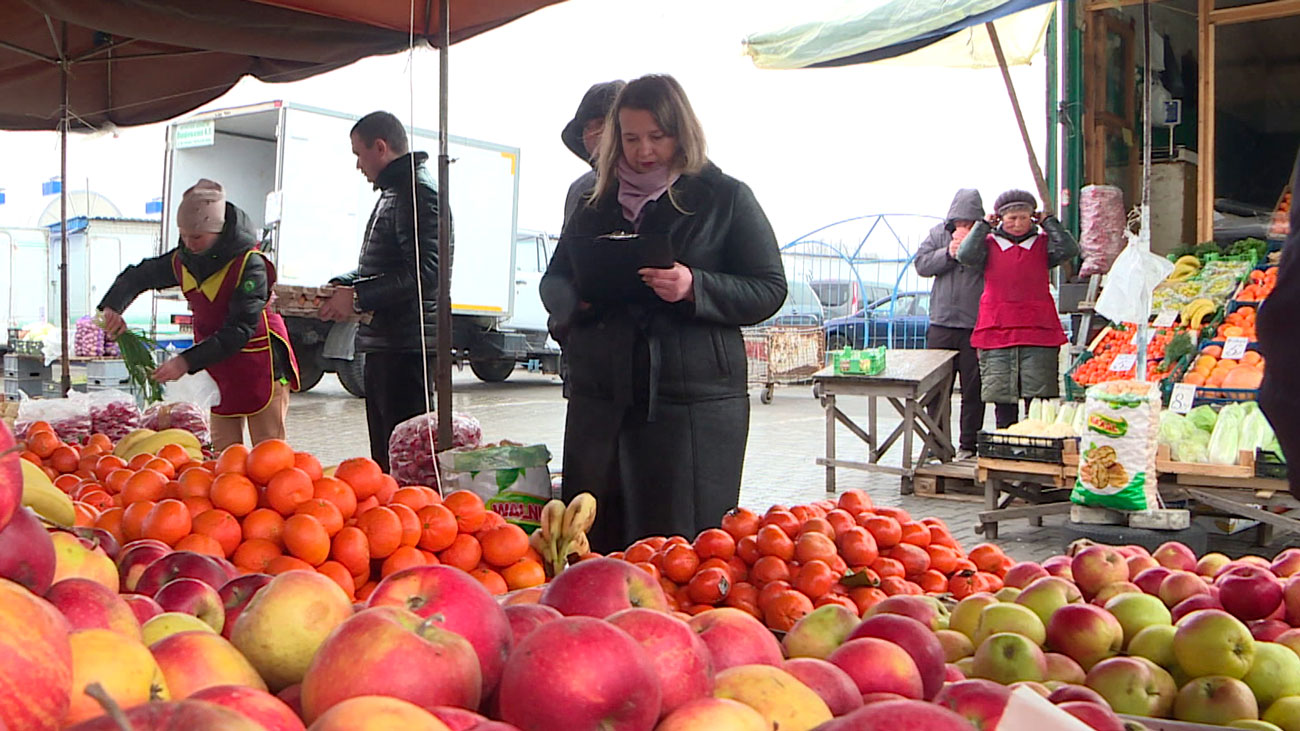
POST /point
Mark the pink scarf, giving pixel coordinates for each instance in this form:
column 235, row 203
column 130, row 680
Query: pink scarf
column 636, row 189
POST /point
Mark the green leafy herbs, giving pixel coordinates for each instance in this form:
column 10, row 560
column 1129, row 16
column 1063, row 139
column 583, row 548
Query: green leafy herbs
column 137, row 355
column 1177, row 349
column 1205, row 248
column 1255, row 248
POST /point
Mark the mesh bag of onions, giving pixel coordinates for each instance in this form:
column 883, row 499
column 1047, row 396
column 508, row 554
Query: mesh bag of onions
column 412, row 446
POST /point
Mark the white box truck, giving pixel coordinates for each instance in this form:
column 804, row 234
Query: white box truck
column 291, row 168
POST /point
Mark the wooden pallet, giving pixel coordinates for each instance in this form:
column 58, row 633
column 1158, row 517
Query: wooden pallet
column 1244, row 469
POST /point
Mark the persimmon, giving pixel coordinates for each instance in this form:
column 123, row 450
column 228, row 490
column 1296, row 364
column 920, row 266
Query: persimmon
column 437, row 527
column 814, row 578
column 774, row 541
column 741, row 522
column 857, row 546
column 787, row 608
column 680, row 563
column 383, row 529
column 709, row 586
column 783, row 519
column 715, row 543
column 854, row 501
column 505, row 545
column 168, row 521
column 222, row 527
column 814, row 546
column 468, row 509
column 268, row 458
column 887, row 531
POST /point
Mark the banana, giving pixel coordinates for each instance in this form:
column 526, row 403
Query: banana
column 1195, row 312
column 180, row 436
column 552, row 523
column 580, row 515
column 153, row 443
column 128, row 441
column 578, row 545
column 1188, row 260
column 44, row 498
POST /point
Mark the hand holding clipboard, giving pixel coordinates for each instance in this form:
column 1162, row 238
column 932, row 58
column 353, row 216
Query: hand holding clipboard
column 619, row 267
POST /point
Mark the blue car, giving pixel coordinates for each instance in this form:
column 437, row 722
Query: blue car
column 898, row 321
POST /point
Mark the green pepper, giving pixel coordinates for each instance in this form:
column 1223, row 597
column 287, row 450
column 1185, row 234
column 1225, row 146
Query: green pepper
column 1111, row 426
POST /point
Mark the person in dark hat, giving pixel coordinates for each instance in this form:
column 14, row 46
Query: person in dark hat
column 582, row 136
column 1018, row 333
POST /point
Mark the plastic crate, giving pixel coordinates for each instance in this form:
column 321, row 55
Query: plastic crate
column 25, row 366
column 1019, row 448
column 1268, row 464
column 1218, row 395
column 15, row 387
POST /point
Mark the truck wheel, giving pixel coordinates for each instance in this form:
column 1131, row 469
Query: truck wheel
column 352, row 374
column 492, row 371
column 310, row 368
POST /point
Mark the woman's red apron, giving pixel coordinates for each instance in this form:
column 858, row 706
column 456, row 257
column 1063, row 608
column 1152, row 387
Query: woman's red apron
column 1016, row 308
column 247, row 378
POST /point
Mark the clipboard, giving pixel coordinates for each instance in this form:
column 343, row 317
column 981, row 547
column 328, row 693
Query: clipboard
column 605, row 267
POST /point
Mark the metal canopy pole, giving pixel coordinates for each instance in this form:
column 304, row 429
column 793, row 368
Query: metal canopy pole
column 66, row 375
column 1044, row 194
column 443, row 362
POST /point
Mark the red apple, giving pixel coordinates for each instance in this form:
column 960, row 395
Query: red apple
column 1097, row 566
column 392, row 651
column 98, row 537
column 1097, row 716
column 191, row 596
column 1076, row 692
column 135, row 557
column 292, row 697
column 578, row 673
column 180, row 565
column 898, row 715
column 828, row 681
column 145, row 608
column 11, row 476
column 1149, row 580
column 1193, row 603
column 1138, row 564
column 1175, row 556
column 186, row 714
column 236, row 594
column 1023, row 574
column 1267, row 630
column 601, row 586
column 1210, row 563
column 1059, row 566
column 1286, row 563
column 525, row 618
column 1086, row 633
column 678, row 655
column 952, row 673
column 1180, row 585
column 1110, row 591
column 455, row 601
column 869, row 698
column 193, row 661
column 458, row 719
column 1063, row 668
column 1250, row 594
column 90, row 605
column 257, row 705
column 734, row 638
column 979, row 701
column 879, row 666
column 26, row 551
column 916, row 639
column 925, row 609
column 36, row 670
column 1133, row 549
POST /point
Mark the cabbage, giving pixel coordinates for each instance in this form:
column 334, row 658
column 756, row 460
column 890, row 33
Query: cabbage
column 1080, row 419
column 1256, row 432
column 1049, row 411
column 1225, row 440
column 1035, row 410
column 1186, row 443
column 1203, row 417
column 1066, row 414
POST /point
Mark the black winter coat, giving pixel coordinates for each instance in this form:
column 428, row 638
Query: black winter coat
column 726, row 240
column 385, row 278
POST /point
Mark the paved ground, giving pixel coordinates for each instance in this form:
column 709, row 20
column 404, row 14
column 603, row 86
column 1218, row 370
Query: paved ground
column 785, row 438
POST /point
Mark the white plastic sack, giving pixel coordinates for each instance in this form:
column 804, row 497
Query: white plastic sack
column 70, row 417
column 195, row 388
column 1134, row 276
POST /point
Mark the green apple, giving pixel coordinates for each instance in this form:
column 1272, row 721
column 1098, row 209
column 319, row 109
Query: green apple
column 1008, row 658
column 1213, row 642
column 1250, row 723
column 967, row 666
column 955, row 645
column 1216, row 700
column 1007, row 594
column 965, row 616
column 998, row 618
column 1285, row 712
column 1048, row 594
column 1166, row 690
column 820, row 632
column 1126, row 683
column 1136, row 612
column 170, row 623
column 1156, row 643
column 1275, row 673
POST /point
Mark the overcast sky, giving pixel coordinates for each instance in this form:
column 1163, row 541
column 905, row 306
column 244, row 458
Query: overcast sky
column 817, row 146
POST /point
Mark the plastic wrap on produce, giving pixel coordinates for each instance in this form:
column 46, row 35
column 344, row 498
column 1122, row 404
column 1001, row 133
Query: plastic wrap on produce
column 513, row 479
column 88, row 339
column 113, row 413
column 414, row 442
column 178, row 415
column 69, row 417
column 1102, row 222
column 1117, row 464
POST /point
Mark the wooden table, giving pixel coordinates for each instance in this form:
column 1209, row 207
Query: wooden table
column 911, row 381
column 1045, row 488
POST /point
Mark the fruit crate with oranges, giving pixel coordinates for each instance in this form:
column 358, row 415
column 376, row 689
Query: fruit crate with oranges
column 1097, row 364
column 1220, row 380
column 1252, row 293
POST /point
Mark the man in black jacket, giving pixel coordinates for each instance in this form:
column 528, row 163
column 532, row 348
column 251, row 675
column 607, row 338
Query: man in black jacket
column 396, row 279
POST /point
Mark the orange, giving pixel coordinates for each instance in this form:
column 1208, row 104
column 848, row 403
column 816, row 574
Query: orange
column 523, row 574
column 168, row 521
column 1251, row 358
column 491, row 519
column 715, row 543
column 39, row 426
column 363, row 474
column 194, row 483
column 67, row 483
column 167, row 469
column 233, row 459
column 221, row 526
column 305, row 538
column 309, row 464
column 196, row 505
column 147, row 484
column 97, row 499
column 437, row 527
column 233, row 493
column 383, row 531
column 201, row 543
column 284, row 564
column 404, row 557
column 338, row 492
column 785, row 609
column 106, row 464
column 110, row 519
column 468, row 509
column 268, row 458
column 387, row 488
column 491, row 580
column 352, row 549
column 887, row 531
column 814, row 578
column 175, row 454
column 42, row 443
column 740, row 522
column 64, row 459
column 133, row 519
column 339, row 575
column 505, row 545
column 412, row 497
column 1196, row 378
column 464, row 553
column 287, row 489
column 324, row 511
column 410, row 524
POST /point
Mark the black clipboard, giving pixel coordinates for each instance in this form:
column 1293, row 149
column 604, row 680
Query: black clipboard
column 605, row 267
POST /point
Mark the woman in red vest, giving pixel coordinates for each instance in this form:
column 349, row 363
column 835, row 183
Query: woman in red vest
column 237, row 340
column 1018, row 333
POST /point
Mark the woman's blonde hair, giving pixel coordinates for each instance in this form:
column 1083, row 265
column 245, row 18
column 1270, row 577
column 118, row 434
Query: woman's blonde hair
column 665, row 100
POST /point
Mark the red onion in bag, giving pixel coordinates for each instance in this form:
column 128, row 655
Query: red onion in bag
column 114, row 413
column 88, row 339
column 410, row 458
column 178, row 415
column 1102, row 223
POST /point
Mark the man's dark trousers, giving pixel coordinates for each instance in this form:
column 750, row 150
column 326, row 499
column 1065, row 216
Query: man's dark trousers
column 967, row 367
column 394, row 393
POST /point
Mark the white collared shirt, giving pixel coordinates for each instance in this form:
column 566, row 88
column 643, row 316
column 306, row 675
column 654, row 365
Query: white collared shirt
column 1005, row 244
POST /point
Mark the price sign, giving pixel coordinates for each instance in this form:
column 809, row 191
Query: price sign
column 1166, row 318
column 1181, row 400
column 1123, row 362
column 1235, row 348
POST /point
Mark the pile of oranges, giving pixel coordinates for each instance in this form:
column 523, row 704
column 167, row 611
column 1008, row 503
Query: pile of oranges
column 271, row 509
column 1240, row 323
column 1261, row 285
column 1213, row 371
column 782, row 564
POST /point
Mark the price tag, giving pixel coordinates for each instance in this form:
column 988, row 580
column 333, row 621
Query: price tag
column 1123, row 362
column 1235, row 348
column 1181, row 400
column 1166, row 318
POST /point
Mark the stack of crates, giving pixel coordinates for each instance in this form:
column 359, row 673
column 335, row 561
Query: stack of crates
column 105, row 375
column 24, row 374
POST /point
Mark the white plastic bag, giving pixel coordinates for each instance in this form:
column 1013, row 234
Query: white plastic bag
column 1127, row 294
column 187, row 401
column 196, row 388
column 70, row 417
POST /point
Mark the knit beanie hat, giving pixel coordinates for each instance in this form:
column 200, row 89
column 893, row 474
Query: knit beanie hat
column 202, row 209
column 1013, row 198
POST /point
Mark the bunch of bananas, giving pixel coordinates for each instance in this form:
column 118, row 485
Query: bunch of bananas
column 563, row 531
column 148, row 441
column 44, row 498
column 1185, row 268
column 1195, row 312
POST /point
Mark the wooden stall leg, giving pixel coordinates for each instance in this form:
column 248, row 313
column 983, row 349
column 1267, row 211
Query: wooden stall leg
column 992, row 489
column 909, row 426
column 828, row 400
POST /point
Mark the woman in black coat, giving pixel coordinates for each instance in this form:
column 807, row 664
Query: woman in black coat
column 658, row 412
